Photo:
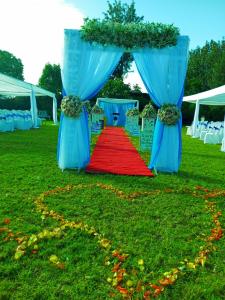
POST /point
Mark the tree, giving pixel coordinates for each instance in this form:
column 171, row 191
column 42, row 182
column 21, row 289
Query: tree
column 218, row 68
column 11, row 65
column 51, row 79
column 206, row 67
column 206, row 70
column 122, row 13
column 137, row 89
column 116, row 88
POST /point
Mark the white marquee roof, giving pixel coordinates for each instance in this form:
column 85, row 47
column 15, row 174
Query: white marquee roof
column 10, row 86
column 212, row 97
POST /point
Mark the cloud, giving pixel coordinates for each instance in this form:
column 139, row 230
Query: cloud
column 134, row 77
column 32, row 30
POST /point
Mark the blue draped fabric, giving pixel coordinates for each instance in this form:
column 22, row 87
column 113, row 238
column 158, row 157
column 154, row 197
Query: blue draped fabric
column 111, row 107
column 122, row 110
column 163, row 72
column 86, row 68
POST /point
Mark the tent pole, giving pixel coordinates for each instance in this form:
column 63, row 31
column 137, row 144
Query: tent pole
column 223, row 141
column 196, row 118
column 54, row 110
column 33, row 108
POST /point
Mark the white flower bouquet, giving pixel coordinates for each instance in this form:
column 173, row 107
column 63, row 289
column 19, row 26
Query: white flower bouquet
column 169, row 114
column 71, row 106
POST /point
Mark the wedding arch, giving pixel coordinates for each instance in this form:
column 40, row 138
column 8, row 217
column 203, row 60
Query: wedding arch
column 112, row 106
column 86, row 68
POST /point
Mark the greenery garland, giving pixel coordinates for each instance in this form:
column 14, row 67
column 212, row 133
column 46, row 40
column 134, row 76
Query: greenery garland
column 148, row 112
column 71, row 106
column 132, row 112
column 169, row 114
column 130, row 35
column 97, row 110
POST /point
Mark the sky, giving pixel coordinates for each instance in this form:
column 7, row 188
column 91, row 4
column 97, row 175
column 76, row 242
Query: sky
column 32, row 30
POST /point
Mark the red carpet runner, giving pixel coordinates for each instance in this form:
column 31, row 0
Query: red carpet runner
column 115, row 154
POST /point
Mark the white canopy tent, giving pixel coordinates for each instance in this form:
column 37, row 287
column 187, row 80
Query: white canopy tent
column 12, row 87
column 212, row 97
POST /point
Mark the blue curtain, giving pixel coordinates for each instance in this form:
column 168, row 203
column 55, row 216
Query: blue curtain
column 86, row 68
column 109, row 109
column 163, row 72
column 123, row 109
column 120, row 108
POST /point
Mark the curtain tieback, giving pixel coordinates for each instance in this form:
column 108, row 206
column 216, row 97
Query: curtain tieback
column 169, row 114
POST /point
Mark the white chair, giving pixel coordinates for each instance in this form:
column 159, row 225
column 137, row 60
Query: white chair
column 221, row 134
column 223, row 145
column 28, row 124
column 211, row 138
column 189, row 130
column 9, row 120
column 203, row 133
column 2, row 122
column 20, row 120
column 6, row 121
column 197, row 133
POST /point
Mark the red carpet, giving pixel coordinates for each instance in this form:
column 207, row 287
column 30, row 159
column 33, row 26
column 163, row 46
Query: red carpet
column 115, row 154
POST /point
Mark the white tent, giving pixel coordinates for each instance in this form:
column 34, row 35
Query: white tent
column 12, row 87
column 212, row 97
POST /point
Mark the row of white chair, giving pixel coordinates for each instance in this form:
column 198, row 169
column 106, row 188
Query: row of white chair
column 208, row 132
column 213, row 133
column 15, row 119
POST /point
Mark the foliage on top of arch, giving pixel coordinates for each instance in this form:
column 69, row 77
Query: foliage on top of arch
column 130, row 35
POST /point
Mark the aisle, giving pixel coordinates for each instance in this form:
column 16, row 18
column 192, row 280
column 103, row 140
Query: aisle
column 115, row 154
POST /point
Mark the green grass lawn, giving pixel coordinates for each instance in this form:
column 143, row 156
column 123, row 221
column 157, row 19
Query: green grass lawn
column 162, row 228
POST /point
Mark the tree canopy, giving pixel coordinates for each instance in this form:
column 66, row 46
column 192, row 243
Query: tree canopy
column 51, row 79
column 122, row 13
column 206, row 67
column 116, row 88
column 11, row 65
column 206, row 70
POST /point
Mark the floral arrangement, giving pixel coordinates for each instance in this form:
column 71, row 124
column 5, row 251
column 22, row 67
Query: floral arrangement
column 71, row 106
column 148, row 112
column 132, row 112
column 87, row 106
column 169, row 114
column 131, row 35
column 97, row 110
